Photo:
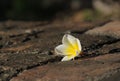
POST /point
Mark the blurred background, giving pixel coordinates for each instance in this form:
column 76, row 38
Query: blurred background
column 75, row 10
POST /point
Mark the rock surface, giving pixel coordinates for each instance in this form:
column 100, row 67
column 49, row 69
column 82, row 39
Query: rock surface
column 93, row 69
column 111, row 29
column 27, row 51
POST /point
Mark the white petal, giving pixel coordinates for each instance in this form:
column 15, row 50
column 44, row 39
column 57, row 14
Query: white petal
column 79, row 44
column 59, row 49
column 67, row 58
column 65, row 40
column 74, row 41
column 69, row 40
column 62, row 50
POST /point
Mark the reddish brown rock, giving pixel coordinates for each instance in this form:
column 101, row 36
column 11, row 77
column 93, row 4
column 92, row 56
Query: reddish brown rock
column 111, row 29
column 92, row 69
column 27, row 45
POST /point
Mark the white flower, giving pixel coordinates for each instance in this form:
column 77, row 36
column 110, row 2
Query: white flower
column 70, row 47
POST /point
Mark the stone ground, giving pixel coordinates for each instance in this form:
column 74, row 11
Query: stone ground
column 27, row 51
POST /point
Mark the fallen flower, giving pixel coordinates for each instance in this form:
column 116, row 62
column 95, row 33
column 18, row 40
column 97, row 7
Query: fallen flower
column 70, row 47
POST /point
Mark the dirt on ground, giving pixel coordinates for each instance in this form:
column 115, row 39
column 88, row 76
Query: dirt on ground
column 27, row 52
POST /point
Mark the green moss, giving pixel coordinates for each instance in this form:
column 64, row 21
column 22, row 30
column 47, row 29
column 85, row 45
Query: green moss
column 91, row 15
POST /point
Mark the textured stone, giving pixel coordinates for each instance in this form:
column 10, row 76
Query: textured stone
column 92, row 69
column 111, row 29
column 25, row 45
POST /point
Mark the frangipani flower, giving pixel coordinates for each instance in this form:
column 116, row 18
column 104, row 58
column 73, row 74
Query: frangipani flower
column 70, row 47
